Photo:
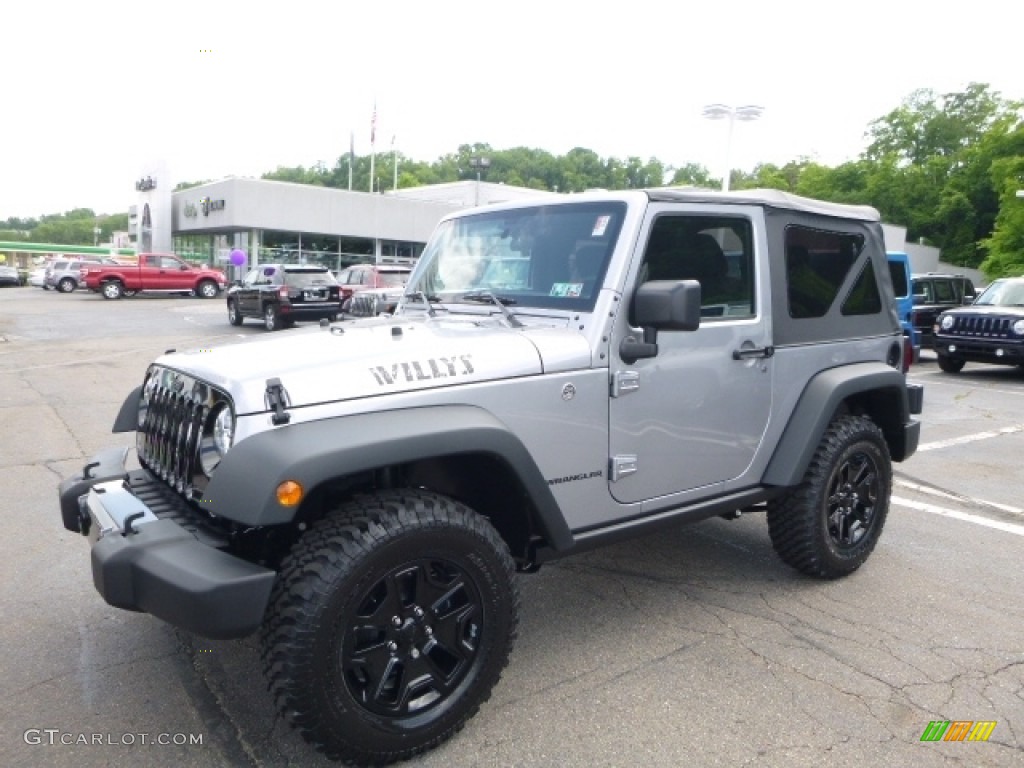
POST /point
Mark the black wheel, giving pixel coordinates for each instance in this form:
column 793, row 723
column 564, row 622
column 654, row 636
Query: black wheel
column 112, row 290
column 207, row 289
column 66, row 285
column 271, row 320
column 829, row 524
column 950, row 364
column 391, row 621
column 234, row 316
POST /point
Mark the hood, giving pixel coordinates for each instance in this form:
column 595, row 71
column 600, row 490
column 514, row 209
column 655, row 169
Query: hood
column 377, row 357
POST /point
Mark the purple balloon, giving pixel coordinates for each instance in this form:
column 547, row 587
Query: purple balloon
column 238, row 257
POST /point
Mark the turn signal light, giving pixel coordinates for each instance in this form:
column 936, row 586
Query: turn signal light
column 289, row 493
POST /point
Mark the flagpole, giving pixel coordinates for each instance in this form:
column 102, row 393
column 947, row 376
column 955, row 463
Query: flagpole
column 351, row 156
column 373, row 141
column 394, row 161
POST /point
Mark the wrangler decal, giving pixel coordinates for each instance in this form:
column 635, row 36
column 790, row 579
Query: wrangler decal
column 574, row 478
column 417, row 370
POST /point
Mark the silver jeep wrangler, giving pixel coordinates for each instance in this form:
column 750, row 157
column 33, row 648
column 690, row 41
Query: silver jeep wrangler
column 557, row 375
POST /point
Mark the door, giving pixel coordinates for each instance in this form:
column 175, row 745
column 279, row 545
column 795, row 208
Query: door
column 693, row 416
column 247, row 294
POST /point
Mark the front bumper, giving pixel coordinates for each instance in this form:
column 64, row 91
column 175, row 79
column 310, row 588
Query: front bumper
column 975, row 350
column 152, row 553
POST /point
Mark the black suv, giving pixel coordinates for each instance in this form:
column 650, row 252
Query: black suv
column 933, row 293
column 991, row 330
column 280, row 294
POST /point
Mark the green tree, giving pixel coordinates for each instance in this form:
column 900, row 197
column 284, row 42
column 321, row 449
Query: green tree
column 1005, row 247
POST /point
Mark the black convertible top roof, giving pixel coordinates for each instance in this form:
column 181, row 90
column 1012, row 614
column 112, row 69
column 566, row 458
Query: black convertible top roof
column 773, row 198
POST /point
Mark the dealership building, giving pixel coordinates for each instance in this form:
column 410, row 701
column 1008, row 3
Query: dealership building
column 283, row 222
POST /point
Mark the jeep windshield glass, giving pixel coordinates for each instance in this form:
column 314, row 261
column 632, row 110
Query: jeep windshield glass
column 551, row 256
column 1003, row 293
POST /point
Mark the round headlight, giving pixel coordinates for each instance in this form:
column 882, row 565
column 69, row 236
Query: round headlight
column 946, row 322
column 218, row 432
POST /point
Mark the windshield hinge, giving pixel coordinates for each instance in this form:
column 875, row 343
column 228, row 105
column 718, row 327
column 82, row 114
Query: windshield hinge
column 277, row 399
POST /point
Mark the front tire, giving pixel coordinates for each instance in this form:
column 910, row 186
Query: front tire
column 207, row 289
column 391, row 621
column 950, row 364
column 112, row 290
column 234, row 316
column 829, row 524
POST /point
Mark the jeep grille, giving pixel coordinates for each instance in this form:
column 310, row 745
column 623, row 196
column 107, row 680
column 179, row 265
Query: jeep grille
column 980, row 325
column 173, row 414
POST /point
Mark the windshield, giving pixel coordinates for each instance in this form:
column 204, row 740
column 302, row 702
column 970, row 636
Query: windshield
column 1003, row 293
column 545, row 256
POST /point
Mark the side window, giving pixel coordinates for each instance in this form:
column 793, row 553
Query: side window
column 716, row 251
column 817, row 264
column 898, row 273
column 169, row 262
column 252, row 278
column 343, row 277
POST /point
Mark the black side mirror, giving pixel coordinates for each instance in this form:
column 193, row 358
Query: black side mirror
column 668, row 305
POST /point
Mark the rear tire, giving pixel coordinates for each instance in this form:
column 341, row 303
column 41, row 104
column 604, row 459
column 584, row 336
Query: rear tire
column 207, row 289
column 234, row 316
column 829, row 524
column 390, row 622
column 271, row 319
column 950, row 364
column 66, row 285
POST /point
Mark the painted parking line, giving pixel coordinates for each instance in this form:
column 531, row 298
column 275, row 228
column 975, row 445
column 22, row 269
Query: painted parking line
column 959, row 498
column 966, row 517
column 936, row 445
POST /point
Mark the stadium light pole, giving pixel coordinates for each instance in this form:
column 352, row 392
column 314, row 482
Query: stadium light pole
column 732, row 114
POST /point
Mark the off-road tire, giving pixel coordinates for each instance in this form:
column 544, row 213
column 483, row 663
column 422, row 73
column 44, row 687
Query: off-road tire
column 950, row 364
column 829, row 524
column 234, row 315
column 112, row 289
column 66, row 285
column 360, row 594
column 207, row 289
column 271, row 318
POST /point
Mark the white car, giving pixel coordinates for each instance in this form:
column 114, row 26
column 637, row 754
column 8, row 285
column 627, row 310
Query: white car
column 37, row 278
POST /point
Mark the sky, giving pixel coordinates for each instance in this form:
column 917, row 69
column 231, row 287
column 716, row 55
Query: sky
column 95, row 93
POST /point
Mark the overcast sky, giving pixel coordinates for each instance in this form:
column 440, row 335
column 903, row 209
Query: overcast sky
column 96, row 92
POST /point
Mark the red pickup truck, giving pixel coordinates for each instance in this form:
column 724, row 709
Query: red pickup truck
column 154, row 272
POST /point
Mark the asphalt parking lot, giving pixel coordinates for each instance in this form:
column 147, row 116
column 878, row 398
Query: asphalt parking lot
column 695, row 646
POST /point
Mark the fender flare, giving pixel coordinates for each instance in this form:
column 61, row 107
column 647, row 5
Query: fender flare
column 815, row 409
column 242, row 488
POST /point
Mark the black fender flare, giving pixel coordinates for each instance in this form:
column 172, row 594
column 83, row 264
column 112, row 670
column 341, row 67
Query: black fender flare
column 128, row 417
column 816, row 407
column 243, row 487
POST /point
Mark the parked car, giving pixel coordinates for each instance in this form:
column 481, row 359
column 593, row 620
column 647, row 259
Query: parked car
column 9, row 276
column 154, row 273
column 65, row 275
column 37, row 278
column 991, row 330
column 933, row 293
column 899, row 271
column 280, row 294
column 364, row 277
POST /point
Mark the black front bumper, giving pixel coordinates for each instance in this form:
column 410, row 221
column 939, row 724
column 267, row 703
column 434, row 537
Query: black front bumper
column 152, row 552
column 975, row 350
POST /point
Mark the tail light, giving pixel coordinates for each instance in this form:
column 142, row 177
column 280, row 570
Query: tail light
column 283, row 291
column 908, row 353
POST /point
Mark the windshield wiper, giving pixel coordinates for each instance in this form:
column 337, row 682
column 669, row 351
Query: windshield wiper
column 486, row 297
column 425, row 299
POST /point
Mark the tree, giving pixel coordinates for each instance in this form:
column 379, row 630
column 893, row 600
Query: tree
column 1005, row 247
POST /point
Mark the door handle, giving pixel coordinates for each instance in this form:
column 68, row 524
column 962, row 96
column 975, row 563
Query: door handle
column 752, row 353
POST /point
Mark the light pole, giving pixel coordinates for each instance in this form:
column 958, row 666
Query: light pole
column 722, row 111
column 96, row 232
column 481, row 164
